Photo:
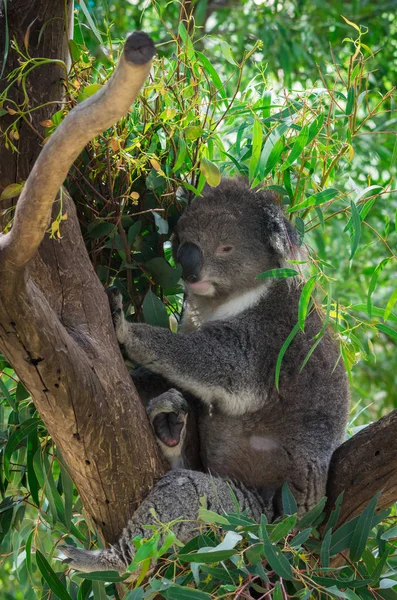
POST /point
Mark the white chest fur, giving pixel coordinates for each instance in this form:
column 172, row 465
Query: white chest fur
column 239, row 304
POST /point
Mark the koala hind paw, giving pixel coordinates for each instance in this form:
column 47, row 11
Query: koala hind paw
column 168, row 415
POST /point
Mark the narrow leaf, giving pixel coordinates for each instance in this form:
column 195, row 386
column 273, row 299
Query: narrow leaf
column 278, row 273
column 304, row 300
column 15, row 439
column 325, row 546
column 283, row 350
column 299, row 145
column 50, row 577
column 276, row 559
column 316, row 199
column 355, row 240
column 289, row 503
column 256, row 149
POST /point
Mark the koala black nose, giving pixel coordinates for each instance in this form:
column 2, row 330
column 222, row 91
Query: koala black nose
column 189, row 257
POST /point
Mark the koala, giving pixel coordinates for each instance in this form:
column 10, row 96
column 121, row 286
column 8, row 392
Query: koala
column 212, row 384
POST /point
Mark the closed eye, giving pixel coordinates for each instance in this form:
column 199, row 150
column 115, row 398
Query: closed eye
column 223, row 250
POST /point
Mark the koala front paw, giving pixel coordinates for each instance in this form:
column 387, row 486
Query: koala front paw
column 116, row 308
column 115, row 302
column 168, row 416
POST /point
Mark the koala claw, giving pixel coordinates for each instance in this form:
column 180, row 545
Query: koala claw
column 115, row 300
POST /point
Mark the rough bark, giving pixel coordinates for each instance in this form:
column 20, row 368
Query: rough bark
column 39, row 27
column 363, row 466
column 56, row 331
column 55, row 324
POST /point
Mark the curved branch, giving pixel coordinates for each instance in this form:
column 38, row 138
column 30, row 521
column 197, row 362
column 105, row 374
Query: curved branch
column 363, row 466
column 85, row 121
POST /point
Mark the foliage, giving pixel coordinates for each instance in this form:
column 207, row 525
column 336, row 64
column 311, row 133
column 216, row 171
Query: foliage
column 326, row 144
column 232, row 555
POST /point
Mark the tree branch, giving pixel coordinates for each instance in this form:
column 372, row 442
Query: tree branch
column 85, row 121
column 364, row 465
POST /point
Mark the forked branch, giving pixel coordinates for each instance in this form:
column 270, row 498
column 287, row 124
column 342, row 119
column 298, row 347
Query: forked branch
column 84, row 122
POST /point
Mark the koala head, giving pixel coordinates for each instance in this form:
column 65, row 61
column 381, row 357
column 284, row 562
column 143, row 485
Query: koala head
column 225, row 238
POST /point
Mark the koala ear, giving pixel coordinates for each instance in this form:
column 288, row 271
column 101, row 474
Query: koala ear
column 282, row 235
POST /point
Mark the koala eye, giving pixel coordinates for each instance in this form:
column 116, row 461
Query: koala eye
column 222, row 250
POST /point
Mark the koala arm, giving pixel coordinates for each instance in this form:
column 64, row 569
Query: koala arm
column 204, row 362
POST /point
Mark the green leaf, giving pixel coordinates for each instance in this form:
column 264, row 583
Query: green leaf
column 315, row 127
column 193, row 132
column 267, row 153
column 187, row 42
column 289, row 503
column 89, row 91
column 50, row 577
column 209, row 516
column 21, row 392
column 389, row 534
column 75, row 51
column 325, row 546
column 276, row 559
column 304, row 300
column 163, row 273
column 278, row 273
column 109, row 576
column 283, row 350
column 227, row 53
column 334, row 516
column 154, row 311
column 161, row 224
column 337, row 593
column 341, row 538
column 90, row 21
column 213, row 74
column 6, row 394
column 99, row 590
column 181, row 155
column 101, row 229
column 373, row 282
column 350, row 101
column 15, row 439
column 301, row 538
column 282, row 528
column 363, row 208
column 315, row 199
column 67, row 485
column 387, row 330
column 313, row 515
column 210, row 171
column 256, row 149
column 277, row 592
column 11, row 191
column 178, row 592
column 274, row 157
column 211, row 556
column 355, row 240
column 133, row 231
column 299, row 145
column 148, row 550
column 390, row 305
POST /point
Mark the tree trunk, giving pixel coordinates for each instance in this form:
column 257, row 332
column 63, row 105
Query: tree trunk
column 55, row 324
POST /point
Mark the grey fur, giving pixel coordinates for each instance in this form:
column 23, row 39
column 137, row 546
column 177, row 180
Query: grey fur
column 225, row 355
